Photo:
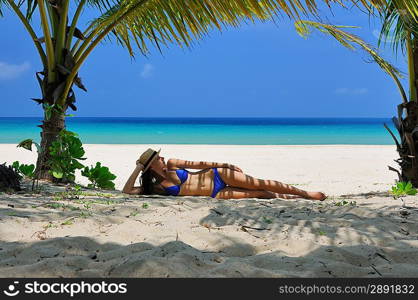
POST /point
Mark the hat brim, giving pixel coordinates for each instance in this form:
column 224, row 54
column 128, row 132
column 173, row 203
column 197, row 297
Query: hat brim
column 151, row 161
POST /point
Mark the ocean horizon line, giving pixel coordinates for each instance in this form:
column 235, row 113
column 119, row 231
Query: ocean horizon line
column 215, row 130
column 214, row 120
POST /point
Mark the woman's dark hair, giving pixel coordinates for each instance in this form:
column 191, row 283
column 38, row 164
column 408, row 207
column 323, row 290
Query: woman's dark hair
column 150, row 181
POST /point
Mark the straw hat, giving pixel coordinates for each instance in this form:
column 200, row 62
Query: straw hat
column 147, row 158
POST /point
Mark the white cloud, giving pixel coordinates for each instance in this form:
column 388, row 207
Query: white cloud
column 360, row 91
column 147, row 71
column 348, row 91
column 10, row 71
column 341, row 91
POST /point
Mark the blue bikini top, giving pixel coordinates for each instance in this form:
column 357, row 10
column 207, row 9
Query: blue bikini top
column 174, row 190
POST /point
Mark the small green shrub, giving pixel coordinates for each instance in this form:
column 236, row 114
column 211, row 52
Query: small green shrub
column 85, row 214
column 77, row 189
column 68, row 222
column 267, row 220
column 403, row 189
column 23, row 169
column 99, row 176
column 55, row 205
column 65, row 153
column 134, row 213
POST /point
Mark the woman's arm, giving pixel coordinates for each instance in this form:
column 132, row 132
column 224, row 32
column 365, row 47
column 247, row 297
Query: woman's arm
column 129, row 187
column 174, row 163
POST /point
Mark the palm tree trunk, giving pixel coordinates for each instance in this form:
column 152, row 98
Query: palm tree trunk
column 50, row 130
column 408, row 126
column 409, row 146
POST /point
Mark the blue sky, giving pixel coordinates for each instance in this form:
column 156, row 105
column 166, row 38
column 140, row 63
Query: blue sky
column 257, row 70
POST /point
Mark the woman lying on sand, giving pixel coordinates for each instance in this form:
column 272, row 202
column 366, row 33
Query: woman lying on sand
column 217, row 180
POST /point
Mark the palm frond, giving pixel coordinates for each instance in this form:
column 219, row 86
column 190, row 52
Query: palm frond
column 2, row 4
column 161, row 22
column 350, row 41
column 169, row 21
column 101, row 4
column 398, row 20
column 30, row 7
column 183, row 21
column 407, row 8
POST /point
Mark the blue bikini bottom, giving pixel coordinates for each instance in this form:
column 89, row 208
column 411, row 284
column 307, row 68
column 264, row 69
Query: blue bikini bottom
column 218, row 183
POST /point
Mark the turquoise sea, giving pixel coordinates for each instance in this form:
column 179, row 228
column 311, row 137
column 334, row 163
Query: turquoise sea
column 238, row 131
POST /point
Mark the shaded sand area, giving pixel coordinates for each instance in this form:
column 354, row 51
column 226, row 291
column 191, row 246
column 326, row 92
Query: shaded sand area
column 360, row 231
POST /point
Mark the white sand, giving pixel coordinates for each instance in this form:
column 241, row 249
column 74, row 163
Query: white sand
column 373, row 236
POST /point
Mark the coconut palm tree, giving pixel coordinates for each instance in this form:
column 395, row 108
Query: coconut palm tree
column 401, row 26
column 63, row 47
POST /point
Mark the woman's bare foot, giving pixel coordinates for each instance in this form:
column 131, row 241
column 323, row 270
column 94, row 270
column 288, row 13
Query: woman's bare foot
column 316, row 196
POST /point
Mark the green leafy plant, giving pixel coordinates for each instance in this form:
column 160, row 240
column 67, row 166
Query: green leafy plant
column 48, row 110
column 55, row 205
column 85, row 214
column 77, row 189
column 134, row 213
column 403, row 189
column 73, row 192
column 12, row 214
column 27, row 144
column 267, row 220
column 99, row 176
column 68, row 222
column 62, row 206
column 50, row 225
column 145, row 205
column 23, row 169
column 65, row 153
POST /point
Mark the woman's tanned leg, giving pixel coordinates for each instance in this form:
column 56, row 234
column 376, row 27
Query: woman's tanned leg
column 240, row 193
column 241, row 180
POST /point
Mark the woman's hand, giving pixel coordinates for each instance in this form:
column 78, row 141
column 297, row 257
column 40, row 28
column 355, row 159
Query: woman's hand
column 129, row 187
column 235, row 168
column 139, row 165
